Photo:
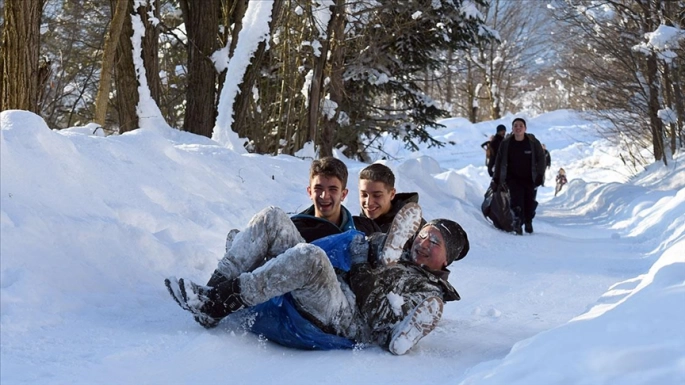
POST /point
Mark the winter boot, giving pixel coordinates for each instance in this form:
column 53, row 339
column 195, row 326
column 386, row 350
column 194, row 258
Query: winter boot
column 529, row 227
column 208, row 305
column 405, row 224
column 191, row 297
column 416, row 325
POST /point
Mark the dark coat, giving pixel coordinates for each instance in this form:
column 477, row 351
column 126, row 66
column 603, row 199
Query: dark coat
column 494, row 149
column 538, row 163
column 412, row 282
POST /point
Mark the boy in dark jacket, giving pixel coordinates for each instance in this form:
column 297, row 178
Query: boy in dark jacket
column 378, row 199
column 269, row 259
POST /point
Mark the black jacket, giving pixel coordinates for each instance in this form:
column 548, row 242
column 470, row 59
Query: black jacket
column 312, row 228
column 494, row 148
column 538, row 163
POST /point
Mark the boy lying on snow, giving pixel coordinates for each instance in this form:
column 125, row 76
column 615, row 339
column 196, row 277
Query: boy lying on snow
column 360, row 290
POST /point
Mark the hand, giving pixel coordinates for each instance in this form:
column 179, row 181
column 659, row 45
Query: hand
column 359, row 249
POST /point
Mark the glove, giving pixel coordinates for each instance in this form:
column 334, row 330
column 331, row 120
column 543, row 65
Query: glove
column 359, row 249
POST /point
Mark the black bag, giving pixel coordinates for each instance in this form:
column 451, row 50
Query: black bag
column 497, row 207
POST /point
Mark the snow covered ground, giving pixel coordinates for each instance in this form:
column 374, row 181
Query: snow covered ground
column 91, row 225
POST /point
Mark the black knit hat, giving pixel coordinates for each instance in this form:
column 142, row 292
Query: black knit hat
column 501, row 127
column 456, row 241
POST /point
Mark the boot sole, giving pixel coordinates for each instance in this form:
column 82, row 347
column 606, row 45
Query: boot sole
column 405, row 224
column 418, row 324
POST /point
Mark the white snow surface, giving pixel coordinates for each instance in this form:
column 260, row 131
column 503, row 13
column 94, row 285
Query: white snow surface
column 91, row 225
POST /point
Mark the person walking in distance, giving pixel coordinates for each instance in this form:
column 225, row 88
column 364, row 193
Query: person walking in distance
column 492, row 146
column 521, row 165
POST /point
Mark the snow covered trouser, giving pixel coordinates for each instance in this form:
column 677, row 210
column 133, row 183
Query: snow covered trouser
column 306, row 273
column 269, row 233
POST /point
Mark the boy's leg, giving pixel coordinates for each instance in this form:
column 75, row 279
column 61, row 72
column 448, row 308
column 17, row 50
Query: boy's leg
column 269, row 233
column 306, row 273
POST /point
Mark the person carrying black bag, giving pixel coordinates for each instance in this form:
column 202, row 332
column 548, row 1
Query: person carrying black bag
column 521, row 165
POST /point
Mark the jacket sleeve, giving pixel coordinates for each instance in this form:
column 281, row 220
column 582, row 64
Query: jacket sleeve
column 500, row 164
column 540, row 162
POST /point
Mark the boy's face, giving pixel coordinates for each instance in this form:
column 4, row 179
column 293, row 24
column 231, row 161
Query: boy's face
column 429, row 249
column 375, row 198
column 327, row 195
column 519, row 128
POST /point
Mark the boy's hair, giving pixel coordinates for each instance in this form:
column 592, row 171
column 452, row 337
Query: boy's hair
column 378, row 173
column 520, row 120
column 329, row 167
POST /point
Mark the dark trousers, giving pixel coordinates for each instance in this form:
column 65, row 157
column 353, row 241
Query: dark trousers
column 523, row 199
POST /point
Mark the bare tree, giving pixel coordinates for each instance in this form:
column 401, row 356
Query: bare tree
column 127, row 97
column 20, row 55
column 109, row 50
column 202, row 24
column 613, row 78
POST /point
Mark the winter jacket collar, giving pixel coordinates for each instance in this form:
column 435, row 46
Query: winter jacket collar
column 400, row 199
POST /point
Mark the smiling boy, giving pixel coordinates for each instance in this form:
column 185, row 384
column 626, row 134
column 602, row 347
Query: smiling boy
column 378, row 199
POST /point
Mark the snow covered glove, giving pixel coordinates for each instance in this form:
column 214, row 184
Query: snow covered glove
column 193, row 298
column 359, row 249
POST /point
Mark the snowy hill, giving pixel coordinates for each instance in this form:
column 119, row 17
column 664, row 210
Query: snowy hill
column 91, row 225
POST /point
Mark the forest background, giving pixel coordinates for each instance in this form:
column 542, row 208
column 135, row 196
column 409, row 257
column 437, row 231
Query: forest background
column 339, row 74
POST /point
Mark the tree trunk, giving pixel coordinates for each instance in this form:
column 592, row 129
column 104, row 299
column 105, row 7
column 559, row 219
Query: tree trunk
column 202, row 25
column 151, row 49
column 315, row 91
column 20, row 55
column 109, row 51
column 125, row 77
column 243, row 100
column 677, row 87
column 336, row 34
column 232, row 14
column 656, row 124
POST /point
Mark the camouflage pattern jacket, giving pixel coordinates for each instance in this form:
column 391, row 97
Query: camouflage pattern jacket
column 386, row 294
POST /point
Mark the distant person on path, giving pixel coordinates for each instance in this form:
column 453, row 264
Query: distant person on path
column 394, row 299
column 521, row 165
column 492, row 147
column 561, row 181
